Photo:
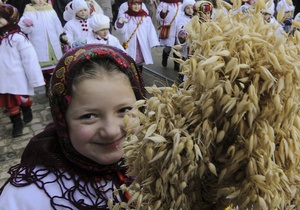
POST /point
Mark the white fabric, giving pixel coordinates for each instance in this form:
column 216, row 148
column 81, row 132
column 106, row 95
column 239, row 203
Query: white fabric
column 182, row 21
column 78, row 5
column 285, row 5
column 297, row 17
column 171, row 7
column 98, row 22
column 46, row 24
column 111, row 40
column 186, row 3
column 145, row 35
column 32, row 198
column 20, row 69
column 75, row 31
column 70, row 14
column 270, row 7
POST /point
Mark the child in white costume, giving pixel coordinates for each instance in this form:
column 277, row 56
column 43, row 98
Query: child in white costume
column 77, row 29
column 94, row 7
column 100, row 32
column 124, row 7
column 43, row 27
column 249, row 4
column 20, row 70
column 183, row 19
column 139, row 34
column 166, row 14
column 287, row 20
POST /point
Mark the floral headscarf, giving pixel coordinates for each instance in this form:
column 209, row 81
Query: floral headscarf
column 11, row 14
column 61, row 88
column 140, row 13
column 50, row 158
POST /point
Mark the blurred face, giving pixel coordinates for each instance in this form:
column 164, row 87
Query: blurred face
column 189, row 10
column 40, row 2
column 3, row 22
column 288, row 14
column 136, row 7
column 205, row 16
column 95, row 117
column 251, row 2
column 83, row 13
column 267, row 17
column 102, row 33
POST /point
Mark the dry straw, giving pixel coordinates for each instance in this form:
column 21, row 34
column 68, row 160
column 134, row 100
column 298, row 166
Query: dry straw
column 229, row 134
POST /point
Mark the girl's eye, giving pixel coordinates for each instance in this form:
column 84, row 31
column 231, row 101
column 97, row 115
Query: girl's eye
column 125, row 109
column 87, row 116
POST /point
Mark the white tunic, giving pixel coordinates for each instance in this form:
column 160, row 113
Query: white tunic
column 77, row 30
column 20, row 69
column 183, row 19
column 145, row 35
column 46, row 24
column 33, row 198
column 111, row 40
column 172, row 8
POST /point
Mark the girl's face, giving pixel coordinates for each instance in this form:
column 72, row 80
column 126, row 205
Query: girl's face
column 82, row 13
column 3, row 22
column 136, row 7
column 40, row 2
column 251, row 2
column 267, row 17
column 102, row 33
column 95, row 117
column 189, row 10
column 205, row 16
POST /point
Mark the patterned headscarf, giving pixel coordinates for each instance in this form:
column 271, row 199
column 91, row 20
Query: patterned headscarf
column 11, row 14
column 61, row 88
column 134, row 13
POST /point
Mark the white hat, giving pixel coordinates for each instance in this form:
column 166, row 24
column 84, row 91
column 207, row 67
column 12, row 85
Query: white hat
column 78, row 5
column 98, row 22
column 270, row 8
column 186, row 3
column 69, row 12
column 287, row 7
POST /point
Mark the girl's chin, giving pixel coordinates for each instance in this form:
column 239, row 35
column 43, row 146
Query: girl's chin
column 111, row 158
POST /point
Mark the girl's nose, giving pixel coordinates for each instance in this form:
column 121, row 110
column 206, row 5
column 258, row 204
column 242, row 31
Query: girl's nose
column 110, row 128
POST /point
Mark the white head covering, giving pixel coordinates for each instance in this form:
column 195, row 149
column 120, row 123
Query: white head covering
column 287, row 7
column 186, row 3
column 297, row 17
column 69, row 12
column 78, row 5
column 270, row 8
column 98, row 22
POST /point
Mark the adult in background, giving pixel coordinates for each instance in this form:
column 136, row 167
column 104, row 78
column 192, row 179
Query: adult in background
column 166, row 14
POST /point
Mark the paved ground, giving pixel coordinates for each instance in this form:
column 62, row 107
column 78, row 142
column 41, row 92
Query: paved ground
column 11, row 149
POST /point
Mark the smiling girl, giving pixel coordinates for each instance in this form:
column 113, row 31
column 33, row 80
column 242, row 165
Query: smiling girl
column 76, row 163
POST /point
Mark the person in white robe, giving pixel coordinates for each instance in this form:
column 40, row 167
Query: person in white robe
column 139, row 34
column 100, row 32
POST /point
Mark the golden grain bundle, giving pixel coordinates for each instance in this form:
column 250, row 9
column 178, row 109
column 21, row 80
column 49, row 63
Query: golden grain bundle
column 230, row 133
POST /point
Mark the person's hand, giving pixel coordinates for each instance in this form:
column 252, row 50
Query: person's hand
column 27, row 22
column 64, row 39
column 122, row 20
